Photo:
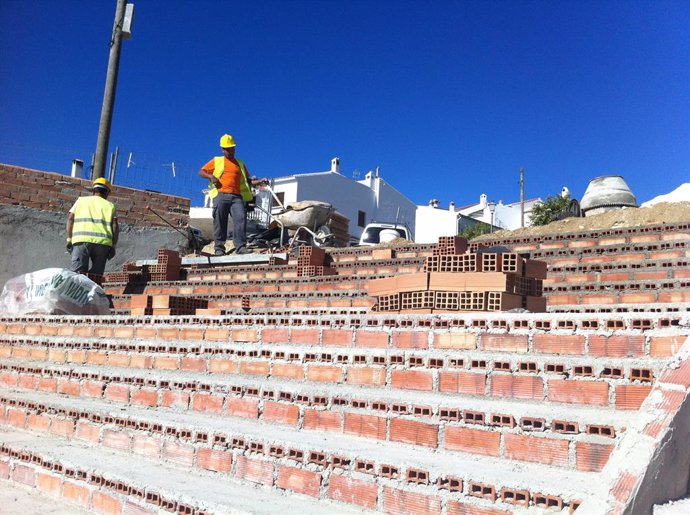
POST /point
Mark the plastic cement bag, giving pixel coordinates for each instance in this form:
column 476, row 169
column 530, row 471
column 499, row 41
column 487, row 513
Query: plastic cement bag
column 53, row 291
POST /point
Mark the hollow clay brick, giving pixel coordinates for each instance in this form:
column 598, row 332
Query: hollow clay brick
column 353, row 491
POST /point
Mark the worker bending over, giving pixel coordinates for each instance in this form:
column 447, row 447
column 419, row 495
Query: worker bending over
column 92, row 230
column 230, row 191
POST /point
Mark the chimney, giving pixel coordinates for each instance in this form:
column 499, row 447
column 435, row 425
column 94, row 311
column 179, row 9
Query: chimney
column 482, row 200
column 77, row 168
column 451, row 206
column 335, row 165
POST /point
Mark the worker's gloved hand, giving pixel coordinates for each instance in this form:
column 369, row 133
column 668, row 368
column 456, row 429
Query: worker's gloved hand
column 68, row 246
column 111, row 253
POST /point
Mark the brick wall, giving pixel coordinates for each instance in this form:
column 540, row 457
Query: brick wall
column 55, row 192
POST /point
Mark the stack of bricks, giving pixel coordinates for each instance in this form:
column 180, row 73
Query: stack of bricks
column 455, row 280
column 339, row 225
column 312, row 262
column 167, row 269
column 131, row 273
column 450, row 246
column 97, row 278
column 165, row 305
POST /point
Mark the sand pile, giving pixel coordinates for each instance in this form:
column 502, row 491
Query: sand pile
column 676, row 212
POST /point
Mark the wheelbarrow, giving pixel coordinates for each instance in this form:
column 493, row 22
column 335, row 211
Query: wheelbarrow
column 308, row 218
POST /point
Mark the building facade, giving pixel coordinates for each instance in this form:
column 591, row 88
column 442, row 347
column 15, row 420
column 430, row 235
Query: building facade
column 362, row 201
column 433, row 221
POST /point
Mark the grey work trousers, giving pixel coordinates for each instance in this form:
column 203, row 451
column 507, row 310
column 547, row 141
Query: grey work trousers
column 83, row 252
column 224, row 205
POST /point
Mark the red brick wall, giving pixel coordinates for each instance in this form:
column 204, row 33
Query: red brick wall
column 55, row 192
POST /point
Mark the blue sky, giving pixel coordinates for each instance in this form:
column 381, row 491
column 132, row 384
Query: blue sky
column 449, row 98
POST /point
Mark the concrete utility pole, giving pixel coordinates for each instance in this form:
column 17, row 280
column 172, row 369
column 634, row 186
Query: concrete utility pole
column 109, row 94
column 522, row 197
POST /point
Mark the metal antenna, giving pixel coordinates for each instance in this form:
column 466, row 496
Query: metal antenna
column 172, row 165
column 113, row 164
column 522, row 197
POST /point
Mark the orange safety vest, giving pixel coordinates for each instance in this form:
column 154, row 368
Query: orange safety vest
column 219, row 168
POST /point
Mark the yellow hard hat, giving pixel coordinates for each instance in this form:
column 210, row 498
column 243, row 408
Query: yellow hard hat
column 103, row 183
column 227, row 141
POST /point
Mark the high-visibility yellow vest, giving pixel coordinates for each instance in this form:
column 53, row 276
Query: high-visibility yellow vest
column 219, row 168
column 93, row 220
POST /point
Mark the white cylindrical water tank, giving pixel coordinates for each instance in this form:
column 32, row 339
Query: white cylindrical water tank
column 388, row 235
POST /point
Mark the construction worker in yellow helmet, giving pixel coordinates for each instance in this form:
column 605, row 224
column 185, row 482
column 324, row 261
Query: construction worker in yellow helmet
column 230, row 189
column 92, row 230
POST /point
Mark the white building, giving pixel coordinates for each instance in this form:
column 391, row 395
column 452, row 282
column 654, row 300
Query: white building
column 505, row 216
column 434, row 221
column 362, row 201
column 374, row 200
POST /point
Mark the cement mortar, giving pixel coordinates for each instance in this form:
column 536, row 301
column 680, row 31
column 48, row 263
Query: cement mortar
column 33, row 239
column 667, row 474
column 582, row 414
column 486, row 469
column 18, row 499
column 220, row 496
column 663, row 461
column 677, row 507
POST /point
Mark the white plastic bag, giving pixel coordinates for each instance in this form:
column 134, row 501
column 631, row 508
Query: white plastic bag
column 53, row 291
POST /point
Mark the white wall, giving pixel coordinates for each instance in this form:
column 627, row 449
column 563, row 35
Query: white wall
column 392, row 203
column 348, row 196
column 506, row 216
column 380, row 201
column 510, row 214
column 288, row 186
column 432, row 222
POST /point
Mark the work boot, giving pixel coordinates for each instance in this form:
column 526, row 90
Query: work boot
column 219, row 253
column 242, row 250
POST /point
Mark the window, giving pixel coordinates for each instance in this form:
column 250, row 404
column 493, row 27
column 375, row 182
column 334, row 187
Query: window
column 361, row 218
column 281, row 197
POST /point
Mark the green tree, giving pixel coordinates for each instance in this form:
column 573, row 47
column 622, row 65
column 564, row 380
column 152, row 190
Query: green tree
column 475, row 230
column 549, row 210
